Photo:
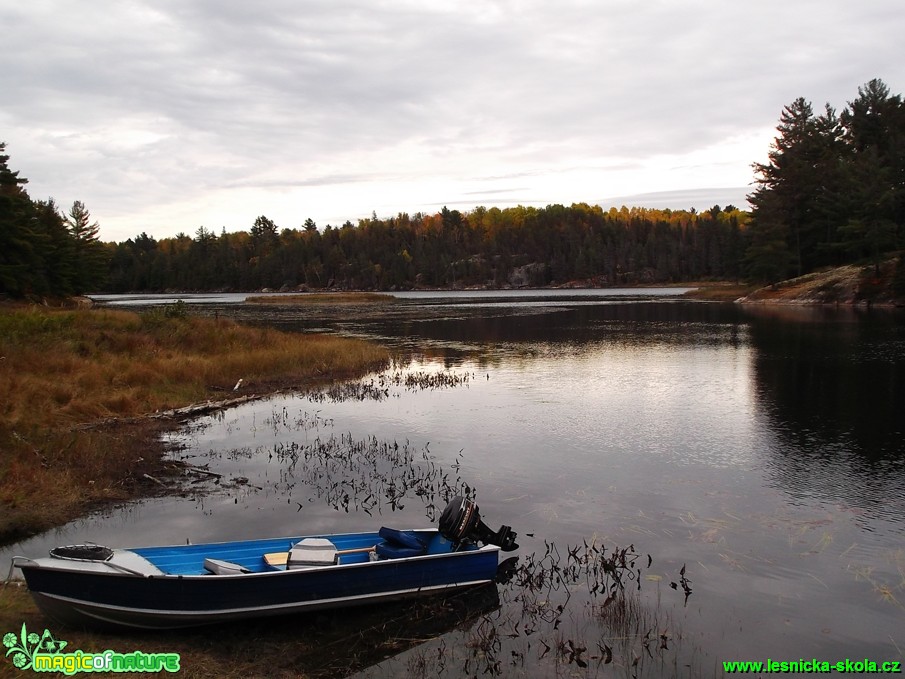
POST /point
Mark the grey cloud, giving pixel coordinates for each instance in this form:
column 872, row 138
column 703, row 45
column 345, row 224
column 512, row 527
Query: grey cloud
column 275, row 95
column 699, row 199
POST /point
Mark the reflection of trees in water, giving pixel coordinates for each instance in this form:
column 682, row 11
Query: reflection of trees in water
column 830, row 381
column 833, row 389
column 566, row 323
column 452, row 329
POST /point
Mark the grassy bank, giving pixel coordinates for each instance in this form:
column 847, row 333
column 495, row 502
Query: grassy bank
column 62, row 372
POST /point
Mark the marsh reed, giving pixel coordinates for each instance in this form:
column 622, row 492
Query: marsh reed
column 63, row 369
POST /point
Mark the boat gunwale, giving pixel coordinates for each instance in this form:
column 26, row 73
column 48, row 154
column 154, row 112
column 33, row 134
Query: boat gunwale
column 64, row 566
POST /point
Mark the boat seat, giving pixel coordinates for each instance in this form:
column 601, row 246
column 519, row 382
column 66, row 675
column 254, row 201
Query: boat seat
column 399, row 544
column 306, row 553
column 276, row 559
column 311, row 552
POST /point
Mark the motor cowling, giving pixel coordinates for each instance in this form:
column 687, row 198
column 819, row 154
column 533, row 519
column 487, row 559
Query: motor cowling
column 461, row 522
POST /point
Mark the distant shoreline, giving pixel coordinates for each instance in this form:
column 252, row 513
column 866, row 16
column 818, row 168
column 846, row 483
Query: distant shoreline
column 849, row 284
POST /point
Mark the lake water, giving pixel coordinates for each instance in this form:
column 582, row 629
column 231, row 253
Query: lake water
column 761, row 449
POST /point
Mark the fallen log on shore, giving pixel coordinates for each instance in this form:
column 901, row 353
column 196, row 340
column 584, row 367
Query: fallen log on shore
column 177, row 414
column 201, row 408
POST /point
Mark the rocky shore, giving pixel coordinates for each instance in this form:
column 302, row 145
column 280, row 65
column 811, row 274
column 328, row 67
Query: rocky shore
column 851, row 285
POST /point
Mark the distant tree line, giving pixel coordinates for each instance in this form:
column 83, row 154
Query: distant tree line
column 832, row 192
column 833, row 189
column 490, row 247
column 42, row 250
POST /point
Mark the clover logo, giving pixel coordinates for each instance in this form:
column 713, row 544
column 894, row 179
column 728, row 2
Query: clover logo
column 23, row 648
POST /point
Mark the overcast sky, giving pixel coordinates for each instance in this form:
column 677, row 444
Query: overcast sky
column 166, row 115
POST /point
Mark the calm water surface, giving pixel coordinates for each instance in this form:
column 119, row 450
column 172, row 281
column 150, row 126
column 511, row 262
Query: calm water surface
column 759, row 448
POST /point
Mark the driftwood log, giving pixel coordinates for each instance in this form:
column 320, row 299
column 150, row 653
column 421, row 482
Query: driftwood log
column 201, row 408
column 176, row 414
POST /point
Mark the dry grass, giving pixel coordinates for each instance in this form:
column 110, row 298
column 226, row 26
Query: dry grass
column 325, row 298
column 60, row 370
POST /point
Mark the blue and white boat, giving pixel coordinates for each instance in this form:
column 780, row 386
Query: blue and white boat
column 188, row 585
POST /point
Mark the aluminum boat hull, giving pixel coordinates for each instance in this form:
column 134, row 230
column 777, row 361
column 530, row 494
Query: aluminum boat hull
column 168, row 587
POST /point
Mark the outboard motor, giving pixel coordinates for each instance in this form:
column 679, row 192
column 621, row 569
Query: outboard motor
column 461, row 521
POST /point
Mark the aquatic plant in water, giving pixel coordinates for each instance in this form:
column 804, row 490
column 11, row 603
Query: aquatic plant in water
column 565, row 609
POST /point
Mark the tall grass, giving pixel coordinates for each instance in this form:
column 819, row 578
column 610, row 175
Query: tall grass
column 61, row 370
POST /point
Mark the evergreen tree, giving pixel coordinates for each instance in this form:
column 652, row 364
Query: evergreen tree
column 833, row 189
column 875, row 133
column 57, row 248
column 788, row 201
column 264, row 236
column 90, row 258
column 18, row 257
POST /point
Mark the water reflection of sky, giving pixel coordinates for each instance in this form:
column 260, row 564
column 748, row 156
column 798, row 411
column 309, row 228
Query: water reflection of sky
column 478, row 297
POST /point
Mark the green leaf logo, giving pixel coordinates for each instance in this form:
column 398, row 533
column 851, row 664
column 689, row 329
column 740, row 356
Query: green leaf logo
column 22, row 648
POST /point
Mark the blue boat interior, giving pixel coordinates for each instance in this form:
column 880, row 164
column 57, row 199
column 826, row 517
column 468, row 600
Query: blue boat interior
column 249, row 554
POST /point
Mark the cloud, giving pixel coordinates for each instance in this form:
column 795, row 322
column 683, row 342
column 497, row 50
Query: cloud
column 168, row 115
column 700, row 199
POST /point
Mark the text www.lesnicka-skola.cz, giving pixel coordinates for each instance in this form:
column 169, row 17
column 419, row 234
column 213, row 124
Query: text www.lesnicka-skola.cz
column 813, row 666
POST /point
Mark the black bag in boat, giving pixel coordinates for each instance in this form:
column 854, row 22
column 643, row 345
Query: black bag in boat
column 398, row 544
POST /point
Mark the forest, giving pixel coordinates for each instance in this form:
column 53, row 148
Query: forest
column 832, row 192
column 487, row 247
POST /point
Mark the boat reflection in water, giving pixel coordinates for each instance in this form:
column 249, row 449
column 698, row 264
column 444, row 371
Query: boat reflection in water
column 366, row 637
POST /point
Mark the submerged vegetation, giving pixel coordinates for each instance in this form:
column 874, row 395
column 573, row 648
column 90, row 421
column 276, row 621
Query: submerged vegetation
column 564, row 609
column 65, row 375
column 559, row 609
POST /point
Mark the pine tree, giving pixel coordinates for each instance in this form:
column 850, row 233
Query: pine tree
column 90, row 259
column 18, row 256
column 793, row 196
column 875, row 133
column 57, row 249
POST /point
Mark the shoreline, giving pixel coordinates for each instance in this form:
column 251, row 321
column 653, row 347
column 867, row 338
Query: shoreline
column 89, row 392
